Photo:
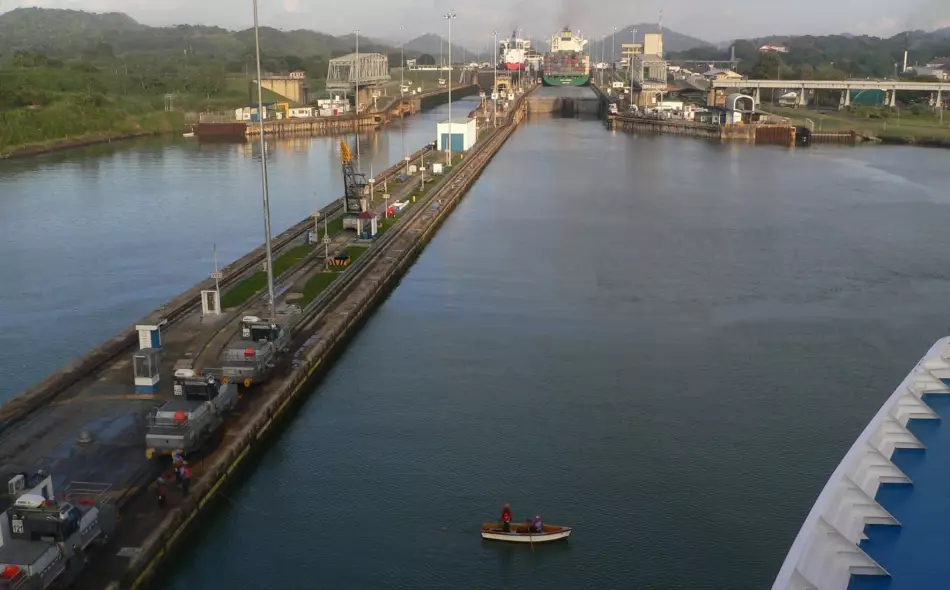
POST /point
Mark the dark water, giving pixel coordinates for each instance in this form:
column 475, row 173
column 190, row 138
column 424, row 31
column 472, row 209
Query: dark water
column 666, row 343
column 94, row 239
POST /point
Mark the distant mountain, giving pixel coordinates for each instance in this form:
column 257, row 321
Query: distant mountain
column 432, row 44
column 64, row 33
column 672, row 41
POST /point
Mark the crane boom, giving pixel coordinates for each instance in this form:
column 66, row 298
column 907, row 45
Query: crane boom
column 345, row 154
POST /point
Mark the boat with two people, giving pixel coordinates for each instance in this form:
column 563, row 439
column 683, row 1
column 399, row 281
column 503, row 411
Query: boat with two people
column 532, row 531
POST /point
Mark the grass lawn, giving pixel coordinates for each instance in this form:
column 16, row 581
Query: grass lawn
column 907, row 125
column 316, row 284
column 247, row 288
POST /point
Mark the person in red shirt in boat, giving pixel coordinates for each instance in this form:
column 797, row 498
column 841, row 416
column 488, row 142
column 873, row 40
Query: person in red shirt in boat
column 506, row 517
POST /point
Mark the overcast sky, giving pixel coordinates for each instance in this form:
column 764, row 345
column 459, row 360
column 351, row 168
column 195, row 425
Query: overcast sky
column 715, row 21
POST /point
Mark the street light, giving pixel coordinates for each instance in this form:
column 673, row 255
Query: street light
column 613, row 48
column 630, row 75
column 266, row 199
column 358, row 168
column 494, row 90
column 450, row 17
column 402, row 84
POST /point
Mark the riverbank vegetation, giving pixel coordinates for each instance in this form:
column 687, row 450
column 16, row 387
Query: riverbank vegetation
column 830, row 57
column 45, row 99
column 81, row 75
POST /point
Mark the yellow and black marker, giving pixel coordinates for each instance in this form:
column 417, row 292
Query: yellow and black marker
column 342, row 259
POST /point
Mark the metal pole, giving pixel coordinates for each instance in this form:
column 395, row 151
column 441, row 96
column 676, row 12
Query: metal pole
column 214, row 254
column 450, row 16
column 358, row 167
column 402, row 70
column 613, row 47
column 494, row 100
column 266, row 199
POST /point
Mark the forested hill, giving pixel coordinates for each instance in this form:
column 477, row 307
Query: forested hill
column 67, row 33
column 838, row 55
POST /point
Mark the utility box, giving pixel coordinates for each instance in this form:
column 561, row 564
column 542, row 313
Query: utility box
column 463, row 134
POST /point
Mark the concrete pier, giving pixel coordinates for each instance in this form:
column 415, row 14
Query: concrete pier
column 564, row 100
column 784, row 135
column 395, row 108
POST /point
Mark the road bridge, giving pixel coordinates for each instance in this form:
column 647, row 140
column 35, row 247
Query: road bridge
column 890, row 87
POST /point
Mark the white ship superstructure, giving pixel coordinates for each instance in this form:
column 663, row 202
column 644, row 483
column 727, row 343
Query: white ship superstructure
column 883, row 518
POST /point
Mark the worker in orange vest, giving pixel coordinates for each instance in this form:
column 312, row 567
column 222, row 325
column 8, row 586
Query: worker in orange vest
column 160, row 488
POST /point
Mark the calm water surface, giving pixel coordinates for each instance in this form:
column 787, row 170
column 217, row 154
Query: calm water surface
column 665, row 343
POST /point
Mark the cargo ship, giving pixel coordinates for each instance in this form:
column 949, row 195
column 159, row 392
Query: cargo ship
column 566, row 64
column 881, row 521
column 514, row 52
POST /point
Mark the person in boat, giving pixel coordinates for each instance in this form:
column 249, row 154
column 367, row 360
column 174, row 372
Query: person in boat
column 537, row 526
column 506, row 517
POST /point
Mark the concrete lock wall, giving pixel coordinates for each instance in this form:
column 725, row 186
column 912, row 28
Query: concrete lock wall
column 567, row 101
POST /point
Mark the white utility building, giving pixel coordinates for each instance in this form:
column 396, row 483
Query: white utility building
column 464, row 132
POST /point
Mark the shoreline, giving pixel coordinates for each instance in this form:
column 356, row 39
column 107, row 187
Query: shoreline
column 65, row 144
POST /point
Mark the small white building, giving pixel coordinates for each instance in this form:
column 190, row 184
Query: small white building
column 301, row 113
column 463, row 132
column 249, row 113
column 773, row 49
column 333, row 107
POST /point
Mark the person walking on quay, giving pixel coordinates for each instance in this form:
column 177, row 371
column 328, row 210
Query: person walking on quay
column 160, row 488
column 177, row 462
column 185, row 475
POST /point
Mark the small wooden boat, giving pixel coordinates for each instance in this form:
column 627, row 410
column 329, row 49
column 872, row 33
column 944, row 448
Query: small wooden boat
column 521, row 533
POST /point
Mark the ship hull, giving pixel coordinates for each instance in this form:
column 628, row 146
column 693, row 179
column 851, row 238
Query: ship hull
column 566, row 79
column 514, row 67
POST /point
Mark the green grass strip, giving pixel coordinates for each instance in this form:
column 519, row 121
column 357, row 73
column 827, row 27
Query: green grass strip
column 247, row 288
column 316, row 284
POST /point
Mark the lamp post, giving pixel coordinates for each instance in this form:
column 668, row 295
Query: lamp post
column 357, row 100
column 450, row 17
column 265, row 196
column 631, row 65
column 402, row 85
column 613, row 48
column 494, row 90
column 402, row 63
